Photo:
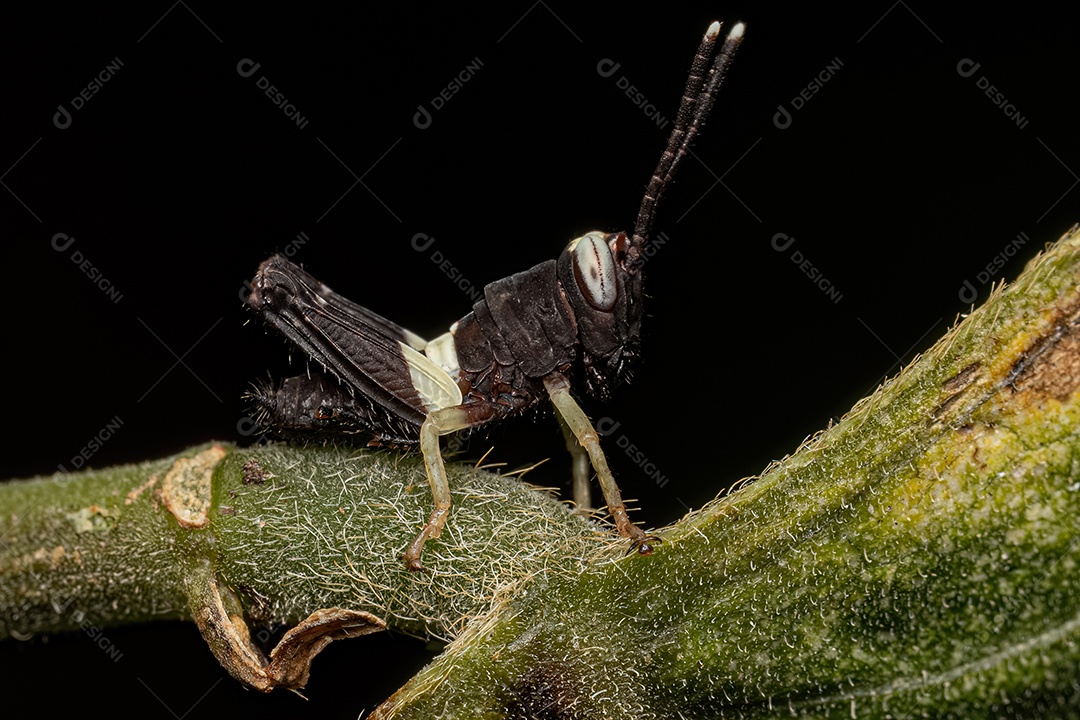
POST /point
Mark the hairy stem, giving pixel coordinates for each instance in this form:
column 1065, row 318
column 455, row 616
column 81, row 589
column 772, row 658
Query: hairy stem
column 273, row 534
column 916, row 559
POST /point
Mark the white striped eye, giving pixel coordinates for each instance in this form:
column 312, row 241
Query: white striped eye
column 594, row 270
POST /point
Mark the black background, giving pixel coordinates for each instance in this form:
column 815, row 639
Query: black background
column 899, row 180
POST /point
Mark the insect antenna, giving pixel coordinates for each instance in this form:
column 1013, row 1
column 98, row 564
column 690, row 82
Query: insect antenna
column 702, row 86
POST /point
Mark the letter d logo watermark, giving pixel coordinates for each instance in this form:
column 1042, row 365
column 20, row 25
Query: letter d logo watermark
column 62, row 118
column 606, row 426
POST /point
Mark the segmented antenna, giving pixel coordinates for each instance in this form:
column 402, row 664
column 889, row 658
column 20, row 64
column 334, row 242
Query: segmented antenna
column 697, row 100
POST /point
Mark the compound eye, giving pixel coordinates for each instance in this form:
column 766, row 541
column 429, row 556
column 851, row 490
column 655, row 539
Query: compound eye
column 594, row 270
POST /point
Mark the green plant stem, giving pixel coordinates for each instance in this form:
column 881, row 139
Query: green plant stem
column 288, row 531
column 917, row 559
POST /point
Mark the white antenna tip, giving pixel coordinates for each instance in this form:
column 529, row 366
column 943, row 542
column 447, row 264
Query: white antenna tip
column 713, row 31
column 737, row 31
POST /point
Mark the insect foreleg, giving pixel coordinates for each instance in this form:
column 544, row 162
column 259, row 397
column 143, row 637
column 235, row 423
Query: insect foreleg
column 438, row 423
column 558, row 388
column 582, row 470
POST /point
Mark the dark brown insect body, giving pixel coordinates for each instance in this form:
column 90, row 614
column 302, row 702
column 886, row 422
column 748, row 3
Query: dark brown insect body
column 575, row 321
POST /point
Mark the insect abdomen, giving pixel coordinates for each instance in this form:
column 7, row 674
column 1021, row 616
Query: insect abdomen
column 312, row 405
